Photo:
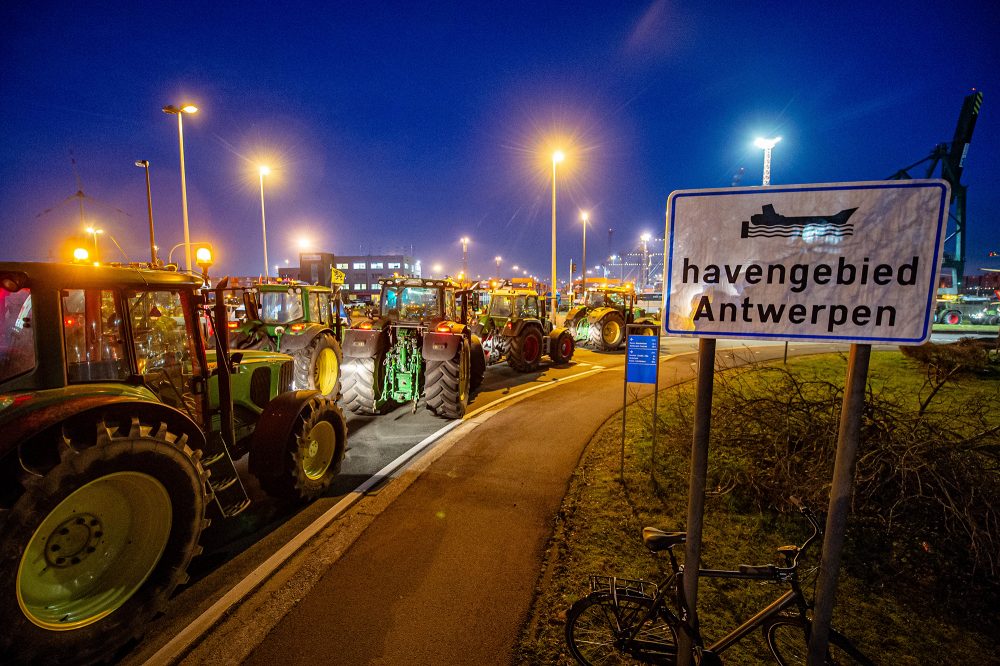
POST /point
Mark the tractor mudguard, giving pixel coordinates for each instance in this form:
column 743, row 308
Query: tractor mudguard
column 440, row 346
column 597, row 314
column 293, row 341
column 518, row 326
column 32, row 422
column 575, row 313
column 555, row 333
column 274, row 428
column 359, row 343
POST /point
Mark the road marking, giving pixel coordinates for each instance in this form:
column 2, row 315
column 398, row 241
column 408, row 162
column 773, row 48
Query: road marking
column 181, row 644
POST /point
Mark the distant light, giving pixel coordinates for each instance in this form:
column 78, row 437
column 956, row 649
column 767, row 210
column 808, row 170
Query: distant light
column 92, row 230
column 80, row 254
column 264, row 170
column 766, row 144
column 584, row 215
column 558, row 157
column 646, row 238
column 304, row 243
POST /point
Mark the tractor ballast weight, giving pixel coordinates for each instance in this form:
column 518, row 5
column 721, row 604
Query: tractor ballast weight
column 120, row 435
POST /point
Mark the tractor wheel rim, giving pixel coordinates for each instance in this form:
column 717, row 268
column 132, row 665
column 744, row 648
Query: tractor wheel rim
column 94, row 551
column 326, row 371
column 531, row 349
column 565, row 346
column 611, row 331
column 463, row 378
column 317, row 450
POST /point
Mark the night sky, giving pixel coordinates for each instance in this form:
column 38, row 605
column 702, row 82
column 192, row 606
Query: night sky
column 391, row 125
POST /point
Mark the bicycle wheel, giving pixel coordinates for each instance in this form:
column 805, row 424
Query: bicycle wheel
column 789, row 644
column 597, row 627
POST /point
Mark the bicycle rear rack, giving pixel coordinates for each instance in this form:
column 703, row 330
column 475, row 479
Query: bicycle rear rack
column 623, row 587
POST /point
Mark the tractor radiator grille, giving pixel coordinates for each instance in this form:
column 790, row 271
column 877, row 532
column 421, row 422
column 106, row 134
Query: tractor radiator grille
column 260, row 386
column 286, row 376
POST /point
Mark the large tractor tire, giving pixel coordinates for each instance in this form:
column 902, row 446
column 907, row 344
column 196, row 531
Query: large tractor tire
column 477, row 363
column 315, row 452
column 952, row 317
column 609, row 333
column 447, row 384
column 525, row 350
column 317, row 366
column 361, row 382
column 93, row 548
column 562, row 348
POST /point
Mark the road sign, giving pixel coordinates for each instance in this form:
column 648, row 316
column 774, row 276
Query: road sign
column 853, row 262
column 641, row 359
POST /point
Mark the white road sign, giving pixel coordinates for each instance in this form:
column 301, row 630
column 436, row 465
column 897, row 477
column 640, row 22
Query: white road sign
column 854, row 262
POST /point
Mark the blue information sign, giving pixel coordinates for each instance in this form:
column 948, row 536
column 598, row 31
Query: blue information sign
column 641, row 359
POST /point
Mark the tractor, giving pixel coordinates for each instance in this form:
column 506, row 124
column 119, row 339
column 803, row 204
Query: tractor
column 120, row 435
column 600, row 320
column 417, row 345
column 301, row 320
column 511, row 328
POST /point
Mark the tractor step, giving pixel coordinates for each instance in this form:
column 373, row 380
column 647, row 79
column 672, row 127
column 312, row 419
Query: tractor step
column 230, row 494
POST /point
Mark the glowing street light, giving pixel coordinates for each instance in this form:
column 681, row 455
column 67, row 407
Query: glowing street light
column 179, row 112
column 94, row 232
column 81, row 255
column 644, row 273
column 437, row 269
column 465, row 255
column 515, row 268
column 557, row 157
column 767, row 145
column 204, row 258
column 498, row 259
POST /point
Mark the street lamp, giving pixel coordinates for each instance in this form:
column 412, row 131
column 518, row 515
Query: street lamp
column 584, row 216
column 465, row 255
column 644, row 273
column 515, row 268
column 557, row 157
column 767, row 145
column 204, row 258
column 94, row 232
column 80, row 255
column 498, row 259
column 149, row 207
column 179, row 112
column 264, row 170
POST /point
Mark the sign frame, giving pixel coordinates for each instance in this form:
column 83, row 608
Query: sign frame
column 671, row 252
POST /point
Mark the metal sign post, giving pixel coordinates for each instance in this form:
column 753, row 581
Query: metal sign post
column 642, row 364
column 845, row 262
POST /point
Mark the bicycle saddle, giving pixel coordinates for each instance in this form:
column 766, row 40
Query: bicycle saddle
column 656, row 539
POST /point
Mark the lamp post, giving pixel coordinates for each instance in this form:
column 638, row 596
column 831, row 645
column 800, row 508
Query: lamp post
column 584, row 216
column 94, row 231
column 264, row 170
column 767, row 145
column 465, row 256
column 498, row 259
column 644, row 273
column 557, row 157
column 179, row 112
column 149, row 208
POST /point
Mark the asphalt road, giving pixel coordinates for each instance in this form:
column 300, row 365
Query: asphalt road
column 454, row 556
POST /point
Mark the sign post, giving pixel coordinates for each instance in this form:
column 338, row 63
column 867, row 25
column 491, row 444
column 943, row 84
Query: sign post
column 840, row 262
column 642, row 364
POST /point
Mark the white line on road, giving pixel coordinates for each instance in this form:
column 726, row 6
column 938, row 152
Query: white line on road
column 186, row 638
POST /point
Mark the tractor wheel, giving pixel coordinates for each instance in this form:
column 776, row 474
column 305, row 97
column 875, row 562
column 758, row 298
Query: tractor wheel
column 317, row 366
column 952, row 317
column 477, row 363
column 93, row 548
column 362, row 384
column 525, row 350
column 315, row 451
column 447, row 383
column 609, row 333
column 563, row 348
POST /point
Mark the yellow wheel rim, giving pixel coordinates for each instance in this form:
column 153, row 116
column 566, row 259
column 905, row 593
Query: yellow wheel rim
column 326, row 371
column 611, row 332
column 94, row 551
column 317, row 450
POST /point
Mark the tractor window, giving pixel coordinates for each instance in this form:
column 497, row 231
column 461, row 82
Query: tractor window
column 449, row 306
column 163, row 346
column 616, row 300
column 280, row 307
column 500, row 306
column 17, row 344
column 411, row 303
column 93, row 338
column 527, row 307
column 323, row 312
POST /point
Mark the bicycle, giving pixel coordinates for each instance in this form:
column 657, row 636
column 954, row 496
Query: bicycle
column 626, row 621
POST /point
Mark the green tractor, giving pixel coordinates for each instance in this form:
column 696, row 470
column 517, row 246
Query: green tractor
column 301, row 320
column 120, row 435
column 511, row 328
column 418, row 345
column 600, row 320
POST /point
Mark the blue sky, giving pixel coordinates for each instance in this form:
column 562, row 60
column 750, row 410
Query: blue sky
column 391, row 125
